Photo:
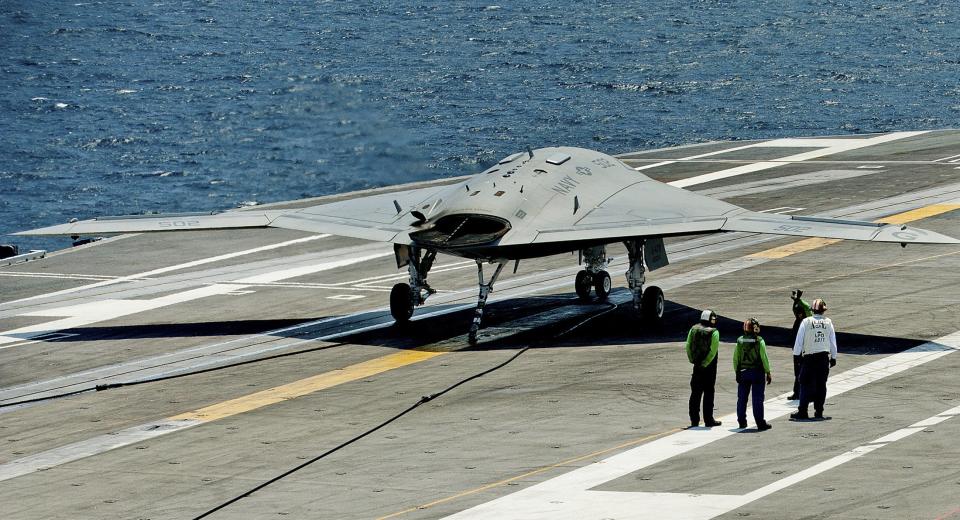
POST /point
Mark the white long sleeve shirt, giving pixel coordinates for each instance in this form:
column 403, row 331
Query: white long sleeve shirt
column 816, row 334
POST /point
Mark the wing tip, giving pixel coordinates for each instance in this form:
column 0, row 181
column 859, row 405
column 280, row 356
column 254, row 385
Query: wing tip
column 59, row 230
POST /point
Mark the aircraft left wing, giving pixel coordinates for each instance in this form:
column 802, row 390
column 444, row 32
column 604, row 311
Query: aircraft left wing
column 651, row 209
column 833, row 228
column 750, row 222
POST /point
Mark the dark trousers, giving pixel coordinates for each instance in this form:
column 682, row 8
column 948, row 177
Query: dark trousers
column 814, row 370
column 701, row 386
column 796, row 374
column 751, row 379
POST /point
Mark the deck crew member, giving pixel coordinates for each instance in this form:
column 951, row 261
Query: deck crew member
column 817, row 343
column 752, row 370
column 801, row 310
column 703, row 341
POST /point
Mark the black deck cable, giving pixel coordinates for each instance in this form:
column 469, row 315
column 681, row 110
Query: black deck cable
column 111, row 386
column 46, row 398
column 423, row 400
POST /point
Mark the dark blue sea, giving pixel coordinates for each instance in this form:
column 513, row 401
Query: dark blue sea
column 126, row 107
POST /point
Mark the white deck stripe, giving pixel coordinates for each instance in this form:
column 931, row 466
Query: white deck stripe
column 829, row 147
column 86, row 448
column 846, row 457
column 569, row 495
column 24, row 274
column 168, row 269
column 102, row 310
column 698, row 156
column 838, row 146
column 947, row 158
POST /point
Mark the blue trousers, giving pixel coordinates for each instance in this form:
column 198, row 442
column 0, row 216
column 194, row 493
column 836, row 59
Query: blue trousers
column 751, row 379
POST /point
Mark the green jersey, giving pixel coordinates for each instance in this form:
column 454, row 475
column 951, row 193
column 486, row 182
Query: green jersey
column 802, row 308
column 702, row 345
column 750, row 352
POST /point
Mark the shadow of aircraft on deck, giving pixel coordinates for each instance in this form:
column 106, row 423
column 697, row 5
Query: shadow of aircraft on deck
column 593, row 324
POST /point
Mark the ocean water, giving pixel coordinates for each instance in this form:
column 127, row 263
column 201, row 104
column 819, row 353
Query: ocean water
column 124, row 107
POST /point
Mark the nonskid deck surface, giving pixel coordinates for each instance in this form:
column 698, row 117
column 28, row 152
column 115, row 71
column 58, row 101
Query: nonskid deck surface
column 587, row 423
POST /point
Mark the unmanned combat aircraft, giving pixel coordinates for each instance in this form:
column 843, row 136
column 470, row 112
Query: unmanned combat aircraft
column 530, row 204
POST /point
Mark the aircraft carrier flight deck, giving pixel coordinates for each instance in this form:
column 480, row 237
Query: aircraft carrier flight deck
column 227, row 359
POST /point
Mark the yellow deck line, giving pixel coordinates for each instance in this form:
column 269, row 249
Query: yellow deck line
column 816, row 243
column 794, row 248
column 919, row 213
column 306, row 386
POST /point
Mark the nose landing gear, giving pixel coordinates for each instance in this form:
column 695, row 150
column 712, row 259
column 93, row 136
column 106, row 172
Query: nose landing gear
column 405, row 296
column 485, row 290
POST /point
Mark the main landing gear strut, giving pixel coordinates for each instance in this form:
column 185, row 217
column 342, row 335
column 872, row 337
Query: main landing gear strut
column 648, row 303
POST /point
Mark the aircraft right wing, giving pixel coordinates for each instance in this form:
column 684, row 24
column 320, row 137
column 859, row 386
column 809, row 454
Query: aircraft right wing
column 383, row 217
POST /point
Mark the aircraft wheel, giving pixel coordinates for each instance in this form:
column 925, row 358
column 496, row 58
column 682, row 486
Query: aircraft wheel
column 583, row 285
column 472, row 336
column 651, row 304
column 401, row 307
column 602, row 284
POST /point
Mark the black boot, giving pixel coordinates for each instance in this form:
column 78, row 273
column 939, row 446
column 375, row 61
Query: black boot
column 801, row 415
column 741, row 423
column 764, row 426
column 711, row 422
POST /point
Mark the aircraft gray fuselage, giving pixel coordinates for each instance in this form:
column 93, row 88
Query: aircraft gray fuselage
column 500, row 213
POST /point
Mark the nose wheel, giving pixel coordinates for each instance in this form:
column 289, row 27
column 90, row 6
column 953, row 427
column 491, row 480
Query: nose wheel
column 401, row 303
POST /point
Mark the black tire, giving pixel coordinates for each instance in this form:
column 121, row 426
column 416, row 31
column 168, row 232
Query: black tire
column 652, row 304
column 602, row 284
column 401, row 307
column 472, row 336
column 6, row 251
column 583, row 284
